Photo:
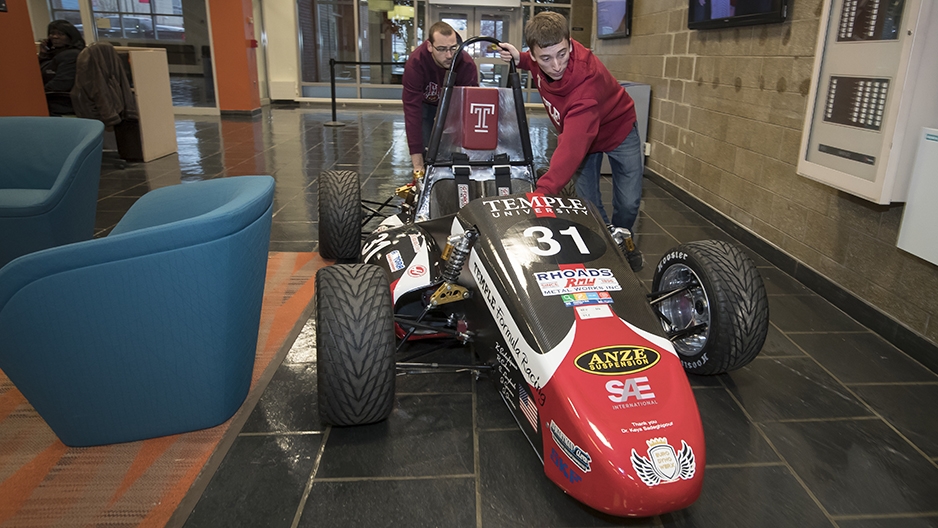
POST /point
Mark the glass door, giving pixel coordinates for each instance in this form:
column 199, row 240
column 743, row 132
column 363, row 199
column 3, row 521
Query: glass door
column 496, row 23
column 502, row 23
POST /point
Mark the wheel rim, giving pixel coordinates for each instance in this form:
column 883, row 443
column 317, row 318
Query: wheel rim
column 686, row 309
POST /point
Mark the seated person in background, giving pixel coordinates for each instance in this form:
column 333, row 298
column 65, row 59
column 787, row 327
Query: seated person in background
column 57, row 56
column 424, row 74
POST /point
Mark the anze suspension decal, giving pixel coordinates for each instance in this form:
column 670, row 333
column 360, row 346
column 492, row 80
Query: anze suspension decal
column 615, row 360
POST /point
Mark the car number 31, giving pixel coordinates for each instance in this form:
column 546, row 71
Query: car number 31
column 555, row 240
column 544, row 237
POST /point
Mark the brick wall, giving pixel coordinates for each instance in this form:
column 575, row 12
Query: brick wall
column 725, row 125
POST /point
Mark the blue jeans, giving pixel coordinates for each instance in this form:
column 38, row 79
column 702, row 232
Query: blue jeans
column 627, row 163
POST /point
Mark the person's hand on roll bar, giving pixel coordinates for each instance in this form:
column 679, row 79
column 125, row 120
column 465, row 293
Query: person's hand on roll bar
column 507, row 52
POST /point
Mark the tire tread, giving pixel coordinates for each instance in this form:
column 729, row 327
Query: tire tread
column 340, row 215
column 738, row 303
column 354, row 344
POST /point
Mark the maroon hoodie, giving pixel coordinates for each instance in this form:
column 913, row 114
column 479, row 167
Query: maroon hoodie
column 423, row 83
column 590, row 109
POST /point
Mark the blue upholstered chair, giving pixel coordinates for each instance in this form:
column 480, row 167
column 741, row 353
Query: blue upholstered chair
column 151, row 330
column 49, row 172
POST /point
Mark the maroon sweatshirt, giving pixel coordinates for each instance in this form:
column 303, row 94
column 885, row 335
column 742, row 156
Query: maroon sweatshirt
column 590, row 109
column 423, row 83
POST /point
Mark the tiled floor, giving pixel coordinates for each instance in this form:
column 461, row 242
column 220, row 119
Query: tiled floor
column 830, row 426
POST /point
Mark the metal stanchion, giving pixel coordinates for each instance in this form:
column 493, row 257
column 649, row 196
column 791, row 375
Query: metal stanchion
column 334, row 122
column 332, row 62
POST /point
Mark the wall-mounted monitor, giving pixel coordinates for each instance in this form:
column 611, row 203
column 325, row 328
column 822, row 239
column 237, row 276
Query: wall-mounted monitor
column 711, row 14
column 613, row 18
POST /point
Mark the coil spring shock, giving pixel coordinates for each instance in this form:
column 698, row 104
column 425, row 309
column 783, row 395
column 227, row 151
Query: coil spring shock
column 455, row 254
column 457, row 251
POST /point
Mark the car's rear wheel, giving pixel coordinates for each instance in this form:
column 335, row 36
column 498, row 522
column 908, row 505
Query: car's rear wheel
column 710, row 299
column 354, row 344
column 340, row 215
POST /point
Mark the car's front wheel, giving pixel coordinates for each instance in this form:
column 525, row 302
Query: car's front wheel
column 711, row 302
column 354, row 344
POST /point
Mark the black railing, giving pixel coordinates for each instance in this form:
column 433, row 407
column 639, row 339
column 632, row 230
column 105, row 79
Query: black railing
column 332, row 63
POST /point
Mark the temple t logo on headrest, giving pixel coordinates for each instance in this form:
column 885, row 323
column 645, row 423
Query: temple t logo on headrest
column 483, row 111
column 480, row 119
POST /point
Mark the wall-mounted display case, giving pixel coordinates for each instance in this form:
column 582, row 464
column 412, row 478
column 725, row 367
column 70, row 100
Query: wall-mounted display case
column 874, row 87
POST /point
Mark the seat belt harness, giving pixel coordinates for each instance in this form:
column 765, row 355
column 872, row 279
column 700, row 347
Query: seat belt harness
column 461, row 175
column 502, row 174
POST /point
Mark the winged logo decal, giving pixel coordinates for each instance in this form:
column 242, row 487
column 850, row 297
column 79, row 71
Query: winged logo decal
column 663, row 465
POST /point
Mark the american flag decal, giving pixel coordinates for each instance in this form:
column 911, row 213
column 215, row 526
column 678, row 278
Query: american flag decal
column 527, row 406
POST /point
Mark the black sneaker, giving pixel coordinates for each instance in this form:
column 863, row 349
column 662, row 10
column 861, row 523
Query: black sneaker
column 623, row 238
column 632, row 254
column 636, row 259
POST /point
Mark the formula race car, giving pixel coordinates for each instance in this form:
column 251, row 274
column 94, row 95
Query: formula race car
column 592, row 367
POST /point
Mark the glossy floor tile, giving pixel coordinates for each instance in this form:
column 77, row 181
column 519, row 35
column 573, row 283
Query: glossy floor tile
column 772, row 389
column 862, row 358
column 857, row 467
column 439, row 501
column 768, row 496
column 426, row 435
column 830, row 426
column 908, row 408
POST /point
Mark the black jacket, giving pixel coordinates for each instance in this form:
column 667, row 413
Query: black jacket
column 58, row 67
column 58, row 70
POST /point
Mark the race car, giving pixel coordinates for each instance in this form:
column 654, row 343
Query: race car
column 591, row 367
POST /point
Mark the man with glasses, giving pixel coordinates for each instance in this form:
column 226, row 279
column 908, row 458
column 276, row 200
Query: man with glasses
column 593, row 116
column 424, row 74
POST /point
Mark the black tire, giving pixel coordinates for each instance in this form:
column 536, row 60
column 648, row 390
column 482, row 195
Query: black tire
column 724, row 291
column 569, row 190
column 354, row 344
column 340, row 215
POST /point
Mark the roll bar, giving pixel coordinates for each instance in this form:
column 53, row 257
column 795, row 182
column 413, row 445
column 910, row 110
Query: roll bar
column 442, row 110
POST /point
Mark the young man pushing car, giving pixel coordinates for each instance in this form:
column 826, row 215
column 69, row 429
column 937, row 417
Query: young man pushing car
column 593, row 115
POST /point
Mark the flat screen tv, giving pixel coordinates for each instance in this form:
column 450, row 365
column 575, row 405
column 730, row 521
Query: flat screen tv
column 613, row 18
column 710, row 14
